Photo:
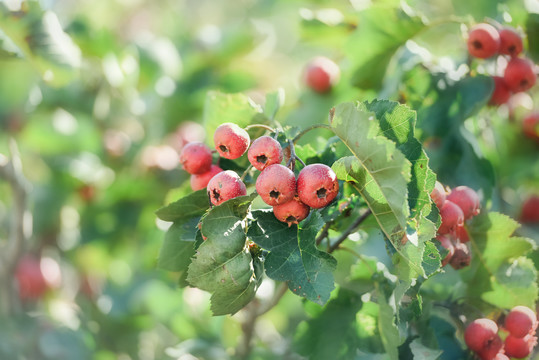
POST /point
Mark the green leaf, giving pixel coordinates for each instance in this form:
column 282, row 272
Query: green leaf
column 380, row 172
column 332, row 333
column 293, row 255
column 194, row 204
column 238, row 108
column 381, row 31
column 223, row 264
column 532, row 32
column 40, row 37
column 179, row 245
column 500, row 274
column 389, row 332
column 397, row 123
column 274, row 101
column 421, row 352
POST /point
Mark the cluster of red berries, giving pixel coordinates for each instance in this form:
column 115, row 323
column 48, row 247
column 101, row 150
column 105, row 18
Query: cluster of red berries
column 315, row 187
column 485, row 41
column 456, row 206
column 481, row 336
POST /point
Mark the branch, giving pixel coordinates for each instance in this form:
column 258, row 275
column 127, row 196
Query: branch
column 19, row 227
column 305, row 131
column 348, row 231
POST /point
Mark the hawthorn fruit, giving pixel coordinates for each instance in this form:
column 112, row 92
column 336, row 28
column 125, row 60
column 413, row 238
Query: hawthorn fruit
column 530, row 126
column 520, row 321
column 196, row 158
column 200, row 181
column 510, row 42
column 265, row 151
column 466, row 199
column 224, row 186
column 322, row 74
column 438, row 194
column 445, row 241
column 231, row 141
column 480, row 333
column 530, row 210
column 291, row 212
column 452, row 217
column 461, row 257
column 31, row 282
column 317, row 185
column 483, row 41
column 501, row 93
column 276, row 184
column 519, row 75
column 519, row 347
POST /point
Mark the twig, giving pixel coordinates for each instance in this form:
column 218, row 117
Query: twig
column 242, row 177
column 306, row 130
column 259, row 126
column 277, row 295
column 325, row 232
column 348, row 231
column 19, row 227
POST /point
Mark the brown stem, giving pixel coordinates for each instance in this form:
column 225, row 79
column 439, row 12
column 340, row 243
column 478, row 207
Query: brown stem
column 19, row 227
column 348, row 231
column 306, row 130
column 325, row 232
column 259, row 126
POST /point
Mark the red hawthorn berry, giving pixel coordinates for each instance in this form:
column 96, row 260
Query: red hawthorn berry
column 438, row 194
column 521, row 321
column 530, row 126
column 462, row 234
column 501, row 93
column 31, row 282
column 530, row 210
column 519, row 347
column 196, row 158
column 224, row 186
column 483, row 41
column 291, row 212
column 510, row 42
column 491, row 349
column 445, row 241
column 452, row 217
column 322, row 74
column 276, row 184
column 519, row 74
column 480, row 333
column 317, row 185
column 265, row 151
column 231, row 141
column 466, row 199
column 200, row 181
column 461, row 257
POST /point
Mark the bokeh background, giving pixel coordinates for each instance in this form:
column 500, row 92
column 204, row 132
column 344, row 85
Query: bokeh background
column 100, row 96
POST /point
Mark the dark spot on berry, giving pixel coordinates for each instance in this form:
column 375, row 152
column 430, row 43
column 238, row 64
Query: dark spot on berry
column 512, row 49
column 477, row 44
column 223, row 148
column 216, row 194
column 291, row 219
column 262, row 159
column 274, row 194
column 523, row 83
column 321, row 193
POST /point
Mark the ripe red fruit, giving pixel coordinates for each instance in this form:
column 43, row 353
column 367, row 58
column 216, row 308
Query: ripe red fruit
column 452, row 217
column 291, row 212
column 530, row 126
column 276, row 184
column 462, row 234
column 231, row 141
column 491, row 349
column 31, row 282
column 461, row 257
column 446, row 242
column 520, row 321
column 196, row 158
column 317, row 185
column 519, row 347
column 480, row 333
column 510, row 42
column 438, row 194
column 224, row 186
column 530, row 210
column 519, row 74
column 322, row 74
column 501, row 93
column 265, row 151
column 466, row 199
column 483, row 41
column 200, row 181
